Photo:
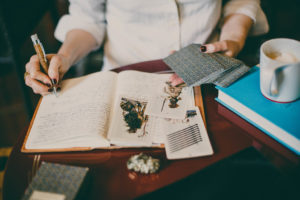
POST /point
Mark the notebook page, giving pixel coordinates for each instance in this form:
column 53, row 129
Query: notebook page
column 78, row 117
column 134, row 89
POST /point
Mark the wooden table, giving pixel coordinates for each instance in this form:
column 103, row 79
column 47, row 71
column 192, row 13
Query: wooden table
column 110, row 178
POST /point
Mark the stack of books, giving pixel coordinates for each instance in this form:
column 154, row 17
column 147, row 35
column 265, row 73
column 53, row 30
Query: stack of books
column 279, row 120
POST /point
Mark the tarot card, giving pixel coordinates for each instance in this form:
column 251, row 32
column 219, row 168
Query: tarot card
column 171, row 103
column 187, row 138
column 130, row 123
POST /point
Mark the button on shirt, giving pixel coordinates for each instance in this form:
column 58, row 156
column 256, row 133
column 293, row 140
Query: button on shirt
column 140, row 30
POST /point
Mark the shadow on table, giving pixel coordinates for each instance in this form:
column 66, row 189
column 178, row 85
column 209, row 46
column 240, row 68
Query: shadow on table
column 246, row 175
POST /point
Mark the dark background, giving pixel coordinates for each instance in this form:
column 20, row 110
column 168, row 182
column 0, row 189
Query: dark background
column 19, row 19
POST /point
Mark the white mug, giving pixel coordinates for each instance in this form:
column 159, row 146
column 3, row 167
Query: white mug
column 280, row 70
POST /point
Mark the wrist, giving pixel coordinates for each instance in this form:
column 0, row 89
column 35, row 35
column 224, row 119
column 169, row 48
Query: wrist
column 235, row 28
column 239, row 44
column 66, row 62
column 237, row 40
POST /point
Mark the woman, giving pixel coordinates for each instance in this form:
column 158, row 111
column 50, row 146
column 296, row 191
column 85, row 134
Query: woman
column 139, row 30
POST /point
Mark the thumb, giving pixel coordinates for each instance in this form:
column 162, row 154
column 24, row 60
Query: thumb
column 171, row 52
column 175, row 80
column 216, row 47
column 54, row 66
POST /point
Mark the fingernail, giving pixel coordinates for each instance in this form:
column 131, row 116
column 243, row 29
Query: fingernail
column 48, row 85
column 50, row 89
column 54, row 81
column 203, row 49
column 58, row 89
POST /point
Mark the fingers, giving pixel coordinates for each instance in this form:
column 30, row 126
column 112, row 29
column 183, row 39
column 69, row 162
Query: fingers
column 37, row 80
column 230, row 54
column 38, row 75
column 33, row 64
column 171, row 52
column 216, row 47
column 175, row 80
column 227, row 47
column 55, row 65
column 37, row 87
column 173, row 77
column 33, row 68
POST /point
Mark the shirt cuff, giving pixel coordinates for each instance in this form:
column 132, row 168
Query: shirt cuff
column 251, row 9
column 68, row 23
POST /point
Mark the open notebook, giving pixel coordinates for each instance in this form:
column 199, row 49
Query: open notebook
column 104, row 110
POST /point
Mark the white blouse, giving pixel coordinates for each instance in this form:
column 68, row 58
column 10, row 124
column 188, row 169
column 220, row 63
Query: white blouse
column 140, row 30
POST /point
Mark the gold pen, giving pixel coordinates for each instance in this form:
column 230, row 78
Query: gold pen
column 39, row 49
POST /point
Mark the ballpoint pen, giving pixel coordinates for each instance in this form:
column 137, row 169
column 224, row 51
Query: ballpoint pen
column 42, row 57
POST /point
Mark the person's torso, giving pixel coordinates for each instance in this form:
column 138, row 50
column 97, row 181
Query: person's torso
column 139, row 30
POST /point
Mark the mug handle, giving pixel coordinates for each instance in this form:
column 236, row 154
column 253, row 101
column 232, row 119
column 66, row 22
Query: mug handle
column 270, row 76
column 273, row 77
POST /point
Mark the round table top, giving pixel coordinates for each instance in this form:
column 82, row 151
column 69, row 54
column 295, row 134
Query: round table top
column 228, row 134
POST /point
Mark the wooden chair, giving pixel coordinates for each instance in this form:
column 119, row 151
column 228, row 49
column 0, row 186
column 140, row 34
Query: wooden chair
column 17, row 21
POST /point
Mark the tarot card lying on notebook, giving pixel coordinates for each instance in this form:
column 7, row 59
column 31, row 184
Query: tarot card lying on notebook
column 196, row 68
column 171, row 103
column 187, row 138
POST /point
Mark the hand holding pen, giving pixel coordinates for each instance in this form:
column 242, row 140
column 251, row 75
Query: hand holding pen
column 39, row 49
column 45, row 80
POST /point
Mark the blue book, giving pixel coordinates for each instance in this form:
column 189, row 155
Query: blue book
column 281, row 121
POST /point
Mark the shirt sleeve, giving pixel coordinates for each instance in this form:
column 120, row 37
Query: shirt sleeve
column 87, row 15
column 252, row 9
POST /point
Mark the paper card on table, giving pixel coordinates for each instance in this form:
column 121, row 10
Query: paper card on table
column 187, row 138
column 131, row 125
column 171, row 104
column 160, row 125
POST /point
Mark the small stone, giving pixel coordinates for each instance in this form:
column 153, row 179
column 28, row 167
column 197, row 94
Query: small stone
column 143, row 163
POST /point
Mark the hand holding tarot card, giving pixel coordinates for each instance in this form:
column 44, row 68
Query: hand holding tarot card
column 196, row 68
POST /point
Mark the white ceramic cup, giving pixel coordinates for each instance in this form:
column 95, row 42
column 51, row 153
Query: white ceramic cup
column 280, row 70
